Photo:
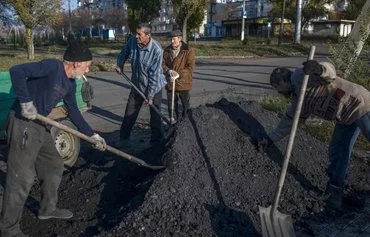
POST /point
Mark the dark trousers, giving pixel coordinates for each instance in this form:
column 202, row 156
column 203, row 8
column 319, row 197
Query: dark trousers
column 32, row 154
column 134, row 103
column 184, row 96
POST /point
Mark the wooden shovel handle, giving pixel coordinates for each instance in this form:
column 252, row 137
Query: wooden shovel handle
column 291, row 137
column 144, row 97
column 93, row 141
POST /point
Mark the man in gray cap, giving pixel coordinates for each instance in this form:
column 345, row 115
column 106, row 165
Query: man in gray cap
column 178, row 61
column 39, row 86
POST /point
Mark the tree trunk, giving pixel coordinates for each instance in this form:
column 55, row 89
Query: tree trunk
column 29, row 43
column 358, row 36
column 184, row 27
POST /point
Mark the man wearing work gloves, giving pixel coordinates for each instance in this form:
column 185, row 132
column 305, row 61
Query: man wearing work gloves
column 145, row 55
column 331, row 98
column 39, row 86
column 178, row 60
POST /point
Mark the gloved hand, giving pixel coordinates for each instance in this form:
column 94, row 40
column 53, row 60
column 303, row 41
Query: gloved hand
column 101, row 145
column 173, row 75
column 312, row 67
column 263, row 143
column 29, row 110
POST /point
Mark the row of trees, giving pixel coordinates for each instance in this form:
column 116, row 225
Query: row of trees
column 36, row 13
column 314, row 9
column 188, row 14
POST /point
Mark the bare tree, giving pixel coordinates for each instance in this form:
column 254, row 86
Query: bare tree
column 184, row 9
column 358, row 36
column 33, row 13
column 346, row 54
column 115, row 18
column 142, row 11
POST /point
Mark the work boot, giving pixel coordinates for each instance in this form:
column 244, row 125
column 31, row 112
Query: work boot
column 57, row 214
column 334, row 199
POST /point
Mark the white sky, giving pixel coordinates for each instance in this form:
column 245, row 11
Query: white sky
column 73, row 4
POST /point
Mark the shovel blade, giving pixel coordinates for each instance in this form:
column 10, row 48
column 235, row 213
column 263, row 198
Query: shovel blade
column 276, row 224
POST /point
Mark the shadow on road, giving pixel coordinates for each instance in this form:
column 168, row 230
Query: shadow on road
column 250, row 83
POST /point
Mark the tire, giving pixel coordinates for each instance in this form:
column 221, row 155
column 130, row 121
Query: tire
column 67, row 145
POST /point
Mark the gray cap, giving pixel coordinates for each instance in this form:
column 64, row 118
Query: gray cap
column 176, row 33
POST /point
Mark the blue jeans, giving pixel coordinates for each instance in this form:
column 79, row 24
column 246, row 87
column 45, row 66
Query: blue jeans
column 340, row 149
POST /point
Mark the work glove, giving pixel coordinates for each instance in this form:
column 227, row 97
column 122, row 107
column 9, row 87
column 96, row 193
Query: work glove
column 263, row 143
column 173, row 75
column 29, row 110
column 312, row 67
column 101, row 145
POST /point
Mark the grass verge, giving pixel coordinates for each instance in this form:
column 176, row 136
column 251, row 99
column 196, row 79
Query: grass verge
column 320, row 129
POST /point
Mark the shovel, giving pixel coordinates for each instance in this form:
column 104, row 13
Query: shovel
column 144, row 97
column 174, row 76
column 275, row 223
column 93, row 141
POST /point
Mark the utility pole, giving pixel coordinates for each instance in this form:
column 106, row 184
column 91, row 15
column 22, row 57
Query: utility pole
column 90, row 31
column 70, row 33
column 298, row 24
column 281, row 24
column 243, row 21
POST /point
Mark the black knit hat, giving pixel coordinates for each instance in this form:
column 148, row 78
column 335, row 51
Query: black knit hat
column 77, row 52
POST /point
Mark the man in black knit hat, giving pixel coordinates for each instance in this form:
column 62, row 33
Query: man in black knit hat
column 39, row 86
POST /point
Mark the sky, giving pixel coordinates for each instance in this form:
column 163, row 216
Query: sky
column 73, row 4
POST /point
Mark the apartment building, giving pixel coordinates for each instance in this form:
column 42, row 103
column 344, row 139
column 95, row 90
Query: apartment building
column 165, row 23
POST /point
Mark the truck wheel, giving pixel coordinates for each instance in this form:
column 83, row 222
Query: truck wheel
column 67, row 145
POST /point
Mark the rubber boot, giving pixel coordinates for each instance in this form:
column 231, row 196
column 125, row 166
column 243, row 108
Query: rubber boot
column 334, row 199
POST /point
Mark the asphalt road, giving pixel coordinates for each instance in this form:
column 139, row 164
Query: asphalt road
column 235, row 79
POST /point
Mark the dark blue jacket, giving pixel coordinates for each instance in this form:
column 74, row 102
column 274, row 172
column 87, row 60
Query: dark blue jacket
column 46, row 84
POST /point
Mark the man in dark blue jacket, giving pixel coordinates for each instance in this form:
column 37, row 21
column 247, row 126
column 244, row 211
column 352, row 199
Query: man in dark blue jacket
column 39, row 86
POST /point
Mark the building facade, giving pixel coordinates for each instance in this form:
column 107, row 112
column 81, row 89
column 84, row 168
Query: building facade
column 165, row 23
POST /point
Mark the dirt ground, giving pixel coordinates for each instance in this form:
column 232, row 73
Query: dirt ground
column 213, row 184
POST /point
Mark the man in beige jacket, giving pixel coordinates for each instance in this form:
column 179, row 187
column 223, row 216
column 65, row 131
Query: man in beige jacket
column 332, row 98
